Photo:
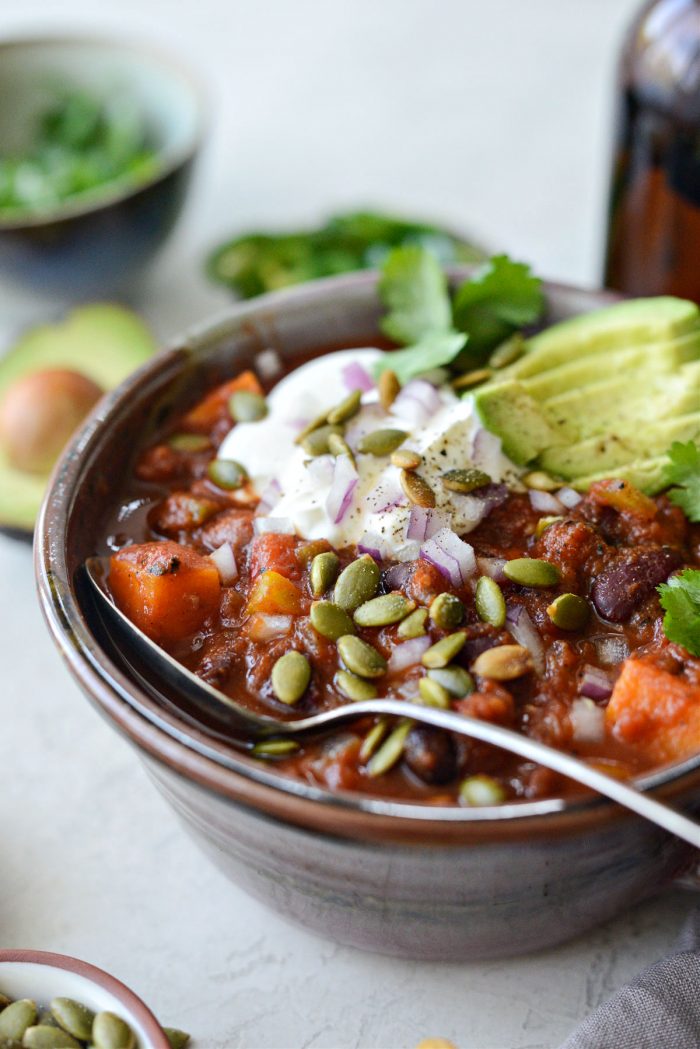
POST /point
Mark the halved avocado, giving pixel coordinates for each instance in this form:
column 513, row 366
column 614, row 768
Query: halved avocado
column 103, row 341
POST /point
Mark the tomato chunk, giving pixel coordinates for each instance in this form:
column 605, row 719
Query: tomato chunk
column 275, row 552
column 210, row 411
column 274, row 594
column 655, row 711
column 166, row 589
column 624, row 498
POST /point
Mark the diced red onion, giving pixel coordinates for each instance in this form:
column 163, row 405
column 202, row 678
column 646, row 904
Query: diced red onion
column 268, row 364
column 611, row 649
column 492, row 567
column 569, row 498
column 424, row 522
column 526, row 634
column 587, row 721
column 356, row 377
column 276, row 525
column 321, row 470
column 269, row 498
column 408, row 653
column 225, row 562
column 396, row 576
column 262, row 627
column 409, row 551
column 386, row 495
column 545, row 502
column 417, row 402
column 451, row 556
column 486, row 452
column 469, row 512
column 492, row 495
column 373, row 544
column 344, row 483
column 595, row 683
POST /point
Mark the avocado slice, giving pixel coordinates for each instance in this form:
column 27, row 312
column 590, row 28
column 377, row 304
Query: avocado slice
column 508, row 410
column 103, row 341
column 649, row 475
column 627, row 324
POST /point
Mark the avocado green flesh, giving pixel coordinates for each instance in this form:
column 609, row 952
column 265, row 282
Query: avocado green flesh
column 103, row 341
column 602, row 395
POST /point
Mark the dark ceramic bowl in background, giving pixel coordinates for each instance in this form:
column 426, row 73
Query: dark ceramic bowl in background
column 43, row 975
column 97, row 245
column 401, row 878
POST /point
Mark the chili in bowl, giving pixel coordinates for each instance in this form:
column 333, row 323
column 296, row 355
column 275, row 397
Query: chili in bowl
column 490, row 612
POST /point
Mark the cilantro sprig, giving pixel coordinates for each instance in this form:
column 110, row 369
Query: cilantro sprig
column 501, row 297
column 680, row 600
column 683, row 472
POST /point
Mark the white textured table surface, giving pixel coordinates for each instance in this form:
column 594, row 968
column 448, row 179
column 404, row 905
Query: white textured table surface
column 493, row 115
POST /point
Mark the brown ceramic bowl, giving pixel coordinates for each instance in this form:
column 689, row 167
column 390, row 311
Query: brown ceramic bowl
column 42, row 975
column 404, row 879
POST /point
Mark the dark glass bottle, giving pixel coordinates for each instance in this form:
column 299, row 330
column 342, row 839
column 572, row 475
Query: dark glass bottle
column 653, row 244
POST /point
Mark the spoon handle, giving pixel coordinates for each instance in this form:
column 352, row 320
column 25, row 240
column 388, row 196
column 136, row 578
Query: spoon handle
column 533, row 750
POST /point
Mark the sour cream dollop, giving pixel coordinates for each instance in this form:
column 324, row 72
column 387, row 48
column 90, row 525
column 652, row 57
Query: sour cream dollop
column 443, row 428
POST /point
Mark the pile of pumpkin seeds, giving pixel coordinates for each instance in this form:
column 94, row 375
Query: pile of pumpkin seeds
column 68, row 1024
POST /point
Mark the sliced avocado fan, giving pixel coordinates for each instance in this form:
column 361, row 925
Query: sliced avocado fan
column 603, row 394
column 103, row 341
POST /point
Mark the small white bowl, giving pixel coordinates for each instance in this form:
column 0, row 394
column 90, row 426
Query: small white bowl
column 41, row 975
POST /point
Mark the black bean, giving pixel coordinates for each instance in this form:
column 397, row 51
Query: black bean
column 622, row 586
column 430, row 754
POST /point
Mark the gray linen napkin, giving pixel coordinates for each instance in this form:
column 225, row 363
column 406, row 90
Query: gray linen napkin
column 660, row 1009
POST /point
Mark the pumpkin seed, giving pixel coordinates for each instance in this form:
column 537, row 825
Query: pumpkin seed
column 489, row 602
column 10, row 1043
column 73, row 1017
column 109, row 1031
column 357, row 583
column 456, row 680
column 540, row 481
column 530, row 571
column 413, row 625
column 355, row 688
column 433, row 694
column 348, row 407
column 472, row 378
column 189, row 442
column 384, row 610
column 381, row 442
column 275, row 748
column 463, row 481
column 373, row 738
column 508, row 351
column 389, row 388
column 406, row 459
column 316, row 443
column 444, row 651
column 247, row 407
column 337, row 445
column 417, row 489
column 290, row 677
column 307, row 551
column 360, row 657
column 569, row 612
column 544, row 523
column 324, row 572
column 45, row 1036
column 446, row 611
column 503, row 663
column 227, row 473
column 390, row 751
column 330, row 620
column 17, row 1017
column 320, row 420
column 481, row 790
column 176, row 1039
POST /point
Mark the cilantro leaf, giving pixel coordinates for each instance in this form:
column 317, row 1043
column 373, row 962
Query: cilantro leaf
column 683, row 469
column 413, row 287
column 680, row 600
column 434, row 351
column 501, row 297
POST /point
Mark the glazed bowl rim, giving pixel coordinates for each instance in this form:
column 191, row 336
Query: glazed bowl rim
column 111, row 688
column 133, row 1004
column 168, row 161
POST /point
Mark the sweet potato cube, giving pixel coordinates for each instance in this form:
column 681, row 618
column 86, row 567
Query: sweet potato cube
column 274, row 594
column 624, row 498
column 165, row 589
column 214, row 407
column 656, row 712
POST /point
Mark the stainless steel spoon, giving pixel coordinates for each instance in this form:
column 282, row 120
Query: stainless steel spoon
column 187, row 684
